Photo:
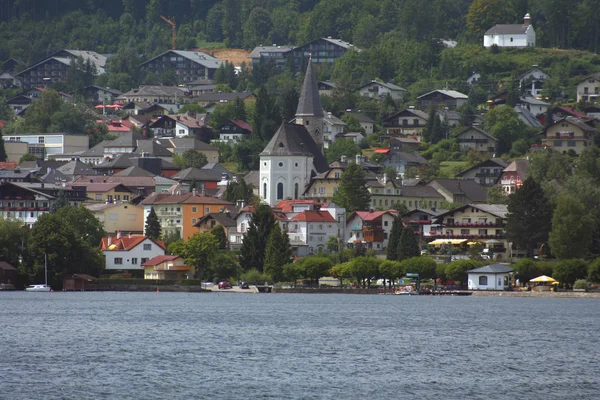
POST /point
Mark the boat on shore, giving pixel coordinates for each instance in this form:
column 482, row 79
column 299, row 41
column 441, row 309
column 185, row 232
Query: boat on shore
column 41, row 287
column 38, row 288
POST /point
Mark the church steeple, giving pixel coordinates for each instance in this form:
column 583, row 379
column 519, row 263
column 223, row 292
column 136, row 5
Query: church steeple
column 309, row 112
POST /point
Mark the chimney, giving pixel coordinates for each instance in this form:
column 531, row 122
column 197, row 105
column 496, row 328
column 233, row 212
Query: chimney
column 358, row 158
column 385, row 178
column 343, row 159
column 118, row 234
column 195, row 192
column 129, row 235
column 109, row 240
column 526, row 20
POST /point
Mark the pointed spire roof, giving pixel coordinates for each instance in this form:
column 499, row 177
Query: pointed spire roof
column 309, row 103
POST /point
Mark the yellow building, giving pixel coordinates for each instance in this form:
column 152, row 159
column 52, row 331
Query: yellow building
column 389, row 194
column 166, row 267
column 569, row 134
column 106, row 192
column 124, row 217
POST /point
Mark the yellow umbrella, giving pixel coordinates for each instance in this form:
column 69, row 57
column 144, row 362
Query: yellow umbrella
column 543, row 278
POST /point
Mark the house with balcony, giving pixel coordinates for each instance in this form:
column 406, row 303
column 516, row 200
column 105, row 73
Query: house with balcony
column 332, row 127
column 388, row 194
column 569, row 134
column 514, row 175
column 189, row 66
column 26, row 202
column 129, row 252
column 179, row 212
column 212, row 220
column 379, row 90
column 588, row 89
column 406, row 123
column 442, row 98
column 365, row 122
column 401, row 160
column 154, row 95
column 461, row 191
column 234, row 131
column 532, row 81
column 423, row 222
column 166, row 267
column 482, row 223
column 270, row 55
column 476, row 139
column 369, row 229
column 533, row 105
column 320, row 51
column 486, row 173
column 312, row 228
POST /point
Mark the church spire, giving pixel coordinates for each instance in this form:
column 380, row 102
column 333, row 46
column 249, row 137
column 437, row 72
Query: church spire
column 309, row 112
column 309, row 103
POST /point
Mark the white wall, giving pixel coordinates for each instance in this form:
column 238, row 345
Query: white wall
column 127, row 256
column 286, row 170
column 495, row 281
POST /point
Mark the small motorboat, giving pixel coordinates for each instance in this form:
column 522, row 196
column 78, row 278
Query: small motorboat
column 38, row 288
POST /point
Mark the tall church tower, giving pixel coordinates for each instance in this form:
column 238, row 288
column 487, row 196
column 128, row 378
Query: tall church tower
column 309, row 112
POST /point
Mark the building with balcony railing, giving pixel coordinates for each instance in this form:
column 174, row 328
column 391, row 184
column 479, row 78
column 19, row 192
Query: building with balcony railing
column 476, row 223
column 476, row 139
column 369, row 229
column 570, row 133
column 486, row 173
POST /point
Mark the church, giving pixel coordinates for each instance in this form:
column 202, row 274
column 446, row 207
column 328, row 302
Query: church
column 295, row 152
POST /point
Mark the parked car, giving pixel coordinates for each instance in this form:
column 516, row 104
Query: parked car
column 225, row 285
column 244, row 285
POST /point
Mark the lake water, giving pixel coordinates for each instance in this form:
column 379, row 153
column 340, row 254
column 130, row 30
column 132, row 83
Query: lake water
column 111, row 345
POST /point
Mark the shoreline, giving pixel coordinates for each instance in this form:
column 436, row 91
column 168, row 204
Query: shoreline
column 549, row 295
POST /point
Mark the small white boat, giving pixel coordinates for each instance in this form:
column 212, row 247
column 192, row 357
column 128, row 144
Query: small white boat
column 41, row 287
column 38, row 288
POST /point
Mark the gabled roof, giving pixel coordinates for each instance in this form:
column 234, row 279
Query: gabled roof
column 258, row 50
column 153, row 90
column 129, row 139
column 217, row 168
column 313, row 216
column 75, row 168
column 520, row 166
column 533, row 101
column 411, row 111
column 198, row 174
column 221, row 218
column 362, row 118
column 95, row 207
column 287, row 206
column 476, row 128
column 159, row 260
column 183, row 198
column 127, row 243
column 331, row 119
column 467, row 187
column 581, row 124
column 449, row 93
column 194, row 56
column 508, row 29
column 134, row 171
column 242, row 124
column 387, row 85
column 295, row 140
column 528, row 117
column 420, row 191
column 531, row 70
column 497, row 210
column 185, row 143
column 65, row 56
column 223, row 97
column 309, row 103
column 492, row 162
column 101, row 186
column 491, row 269
column 6, row 266
column 595, row 75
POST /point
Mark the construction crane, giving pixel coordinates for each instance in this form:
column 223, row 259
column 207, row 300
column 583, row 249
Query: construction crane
column 171, row 22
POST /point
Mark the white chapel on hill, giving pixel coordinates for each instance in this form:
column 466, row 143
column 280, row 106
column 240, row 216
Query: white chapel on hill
column 295, row 152
column 511, row 35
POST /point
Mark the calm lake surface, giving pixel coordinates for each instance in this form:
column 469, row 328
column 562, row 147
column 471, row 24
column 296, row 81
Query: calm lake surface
column 112, row 345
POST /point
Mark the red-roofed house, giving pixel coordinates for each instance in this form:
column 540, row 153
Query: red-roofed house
column 165, row 267
column 116, row 127
column 129, row 252
column 312, row 228
column 234, row 131
column 369, row 228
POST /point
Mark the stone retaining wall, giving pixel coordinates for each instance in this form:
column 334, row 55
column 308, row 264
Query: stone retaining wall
column 325, row 291
column 574, row 295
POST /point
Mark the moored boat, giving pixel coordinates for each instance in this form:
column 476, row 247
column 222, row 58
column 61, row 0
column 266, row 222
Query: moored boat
column 38, row 288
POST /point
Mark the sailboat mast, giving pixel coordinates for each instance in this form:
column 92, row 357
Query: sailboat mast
column 45, row 268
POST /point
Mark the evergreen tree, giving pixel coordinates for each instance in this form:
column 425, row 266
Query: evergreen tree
column 3, row 155
column 152, row 227
column 352, row 193
column 407, row 245
column 238, row 190
column 529, row 218
column 219, row 233
column 60, row 202
column 252, row 252
column 267, row 115
column 394, row 238
column 277, row 254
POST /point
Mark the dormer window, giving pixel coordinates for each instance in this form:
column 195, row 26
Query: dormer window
column 281, row 144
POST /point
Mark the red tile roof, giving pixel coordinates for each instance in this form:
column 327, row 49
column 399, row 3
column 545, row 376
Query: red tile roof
column 573, row 112
column 126, row 243
column 8, row 165
column 242, row 124
column 382, row 151
column 185, row 198
column 159, row 260
column 314, row 216
column 287, row 206
column 372, row 215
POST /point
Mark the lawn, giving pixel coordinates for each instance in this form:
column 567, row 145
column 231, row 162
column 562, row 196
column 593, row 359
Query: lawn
column 448, row 168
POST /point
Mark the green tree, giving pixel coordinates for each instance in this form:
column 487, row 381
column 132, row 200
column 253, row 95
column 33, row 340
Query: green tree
column 457, row 270
column 365, row 269
column 424, row 266
column 257, row 27
column 528, row 222
column 27, row 157
column 277, row 253
column 13, row 238
column 3, row 155
column 152, row 228
column 483, row 14
column 390, row 270
column 571, row 228
column 332, row 244
column 267, row 116
column 594, row 271
column 504, row 124
column 85, row 224
column 219, row 233
column 252, row 252
column 352, row 193
column 527, row 269
column 407, row 245
column 495, row 195
column 199, row 251
column 224, row 266
column 61, row 201
column 394, row 238
column 190, row 159
column 342, row 147
column 568, row 271
column 314, row 267
column 238, row 191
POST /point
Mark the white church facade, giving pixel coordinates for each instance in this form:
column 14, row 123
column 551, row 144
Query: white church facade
column 511, row 35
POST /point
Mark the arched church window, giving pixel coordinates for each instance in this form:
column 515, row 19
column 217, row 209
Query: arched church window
column 280, row 191
column 264, row 190
column 295, row 191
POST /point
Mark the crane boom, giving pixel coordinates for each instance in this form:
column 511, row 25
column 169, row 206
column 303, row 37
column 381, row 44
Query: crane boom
column 171, row 22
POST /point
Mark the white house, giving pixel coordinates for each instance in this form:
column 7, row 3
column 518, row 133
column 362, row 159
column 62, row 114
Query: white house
column 332, row 126
column 535, row 106
column 369, row 229
column 532, row 81
column 313, row 228
column 130, row 252
column 511, row 35
column 489, row 277
column 379, row 90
